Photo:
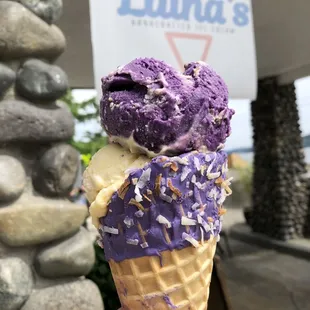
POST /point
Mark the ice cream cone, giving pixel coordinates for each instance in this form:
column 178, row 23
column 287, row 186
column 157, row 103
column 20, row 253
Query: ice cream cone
column 180, row 279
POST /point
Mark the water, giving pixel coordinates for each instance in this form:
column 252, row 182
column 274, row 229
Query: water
column 249, row 156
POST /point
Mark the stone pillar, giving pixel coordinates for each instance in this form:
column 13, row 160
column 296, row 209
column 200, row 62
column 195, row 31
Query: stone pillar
column 279, row 190
column 44, row 251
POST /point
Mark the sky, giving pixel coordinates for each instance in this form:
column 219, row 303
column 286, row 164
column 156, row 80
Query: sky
column 241, row 122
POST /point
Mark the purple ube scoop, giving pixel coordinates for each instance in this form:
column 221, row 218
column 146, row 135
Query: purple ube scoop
column 162, row 111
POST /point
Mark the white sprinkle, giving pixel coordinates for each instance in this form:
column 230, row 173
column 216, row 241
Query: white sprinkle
column 110, row 230
column 197, row 163
column 218, row 238
column 138, row 194
column 128, row 221
column 162, row 220
column 144, row 245
column 195, row 206
column 202, row 235
column 189, row 214
column 190, row 193
column 193, row 180
column 217, row 223
column 132, row 241
column 139, row 213
column 187, row 184
column 190, row 239
column 185, row 172
column 186, row 221
column 203, row 223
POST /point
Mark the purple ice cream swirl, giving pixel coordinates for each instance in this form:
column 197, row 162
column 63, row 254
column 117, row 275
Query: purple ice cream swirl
column 172, row 203
column 163, row 111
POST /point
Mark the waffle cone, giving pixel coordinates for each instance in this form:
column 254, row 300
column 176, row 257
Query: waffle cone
column 180, row 279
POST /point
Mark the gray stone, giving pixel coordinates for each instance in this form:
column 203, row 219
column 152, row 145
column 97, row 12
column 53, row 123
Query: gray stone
column 24, row 121
column 71, row 257
column 48, row 10
column 56, row 171
column 7, row 77
column 15, row 283
column 12, row 178
column 81, row 295
column 23, row 34
column 39, row 81
column 37, row 220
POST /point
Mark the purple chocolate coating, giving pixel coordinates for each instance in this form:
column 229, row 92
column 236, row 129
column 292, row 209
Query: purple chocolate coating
column 162, row 107
column 197, row 190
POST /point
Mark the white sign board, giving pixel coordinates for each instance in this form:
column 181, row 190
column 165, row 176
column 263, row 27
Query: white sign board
column 219, row 32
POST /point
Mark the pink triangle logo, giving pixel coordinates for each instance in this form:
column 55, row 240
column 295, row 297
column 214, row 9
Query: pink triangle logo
column 171, row 36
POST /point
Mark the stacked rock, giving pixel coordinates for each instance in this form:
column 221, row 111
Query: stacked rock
column 44, row 250
column 279, row 189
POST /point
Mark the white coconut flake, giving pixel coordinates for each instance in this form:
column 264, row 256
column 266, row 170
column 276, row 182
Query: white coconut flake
column 197, row 163
column 162, row 220
column 193, row 179
column 190, row 239
column 195, row 206
column 128, row 221
column 139, row 213
column 132, row 241
column 222, row 197
column 214, row 175
column 144, row 245
column 213, row 193
column 144, row 178
column 185, row 172
column 225, row 167
column 181, row 161
column 188, row 222
column 187, row 184
column 202, row 235
column 110, row 230
column 165, row 197
column 203, row 223
column 201, row 186
column 207, row 158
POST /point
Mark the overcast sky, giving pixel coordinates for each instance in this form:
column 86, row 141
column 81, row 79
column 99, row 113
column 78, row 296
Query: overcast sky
column 241, row 122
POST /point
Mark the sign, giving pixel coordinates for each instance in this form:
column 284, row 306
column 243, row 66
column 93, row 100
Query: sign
column 219, row 32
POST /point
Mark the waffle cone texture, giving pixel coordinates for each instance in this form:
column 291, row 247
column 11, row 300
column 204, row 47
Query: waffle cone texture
column 180, row 279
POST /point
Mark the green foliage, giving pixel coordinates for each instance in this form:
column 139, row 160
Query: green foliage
column 82, row 112
column 101, row 275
